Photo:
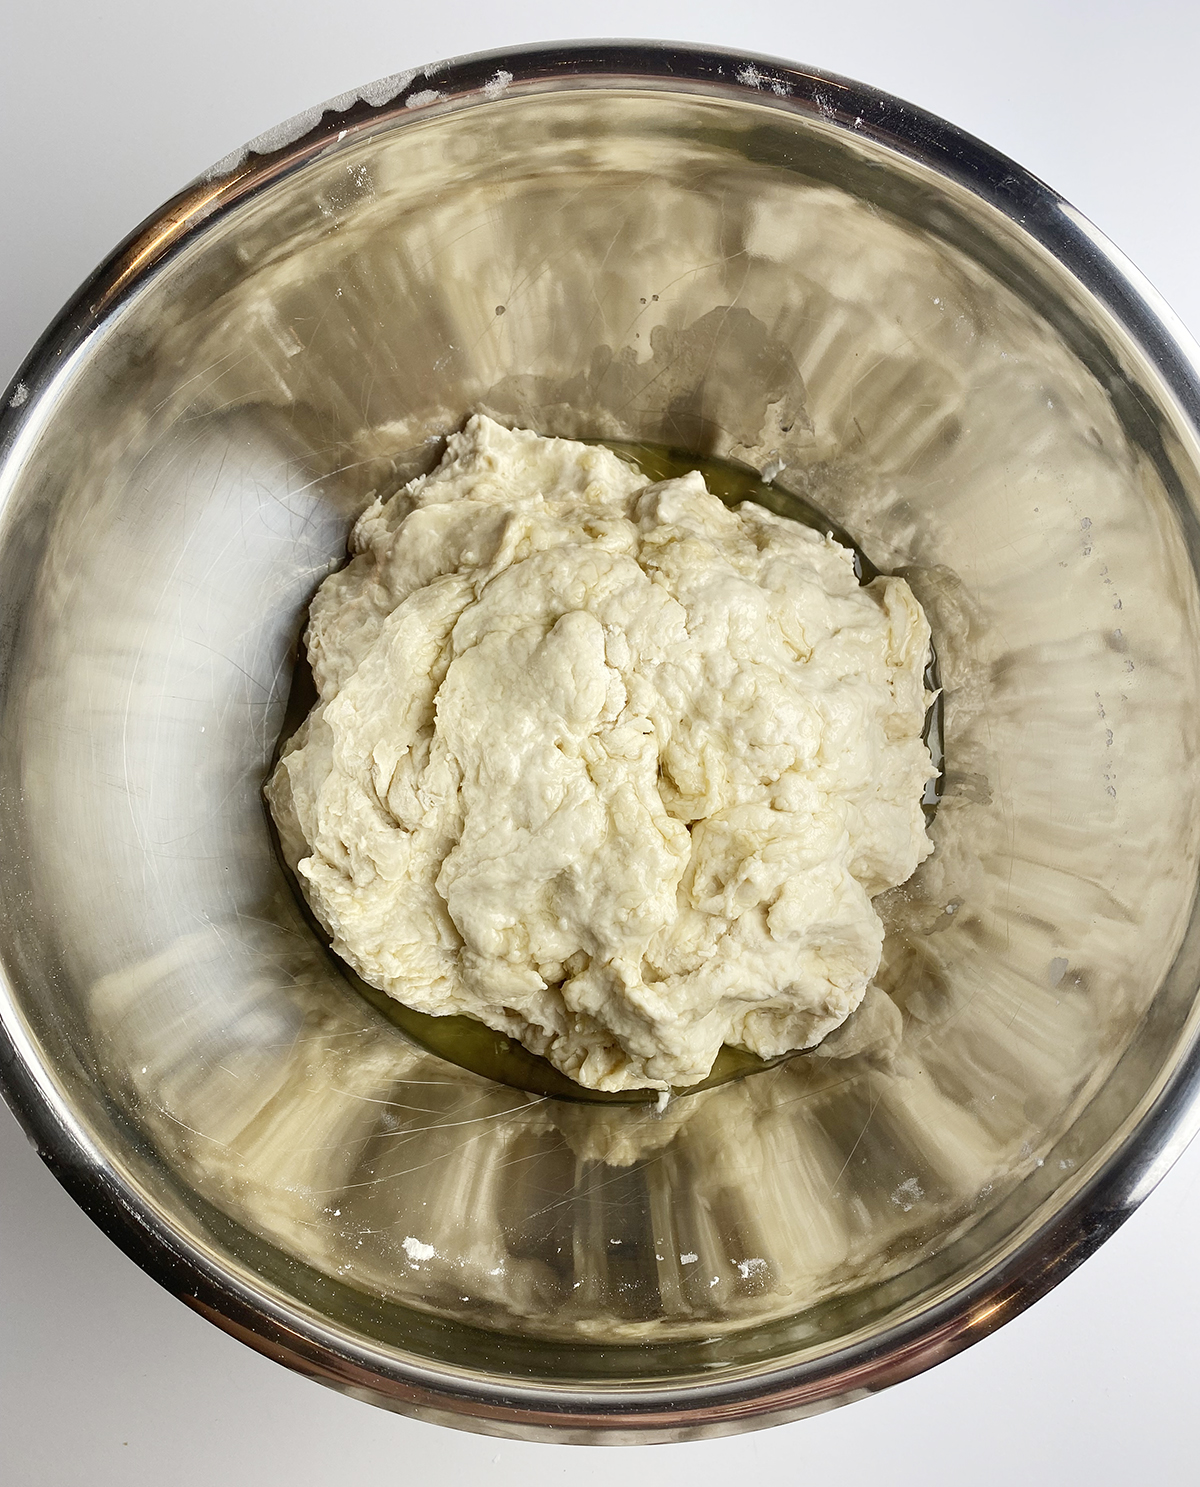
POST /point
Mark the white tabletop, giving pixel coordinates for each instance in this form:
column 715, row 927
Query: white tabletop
column 105, row 110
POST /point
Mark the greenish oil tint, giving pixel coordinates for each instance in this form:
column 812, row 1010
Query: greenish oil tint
column 735, row 483
column 471, row 1044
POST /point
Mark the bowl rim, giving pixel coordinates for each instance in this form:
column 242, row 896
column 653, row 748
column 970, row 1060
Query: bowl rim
column 621, row 1413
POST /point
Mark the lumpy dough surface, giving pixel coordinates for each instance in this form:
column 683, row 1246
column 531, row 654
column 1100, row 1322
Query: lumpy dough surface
column 605, row 764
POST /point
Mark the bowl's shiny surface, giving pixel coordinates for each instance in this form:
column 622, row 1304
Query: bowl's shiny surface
column 756, row 263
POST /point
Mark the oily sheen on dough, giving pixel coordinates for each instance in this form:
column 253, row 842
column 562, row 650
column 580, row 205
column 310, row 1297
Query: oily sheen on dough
column 604, row 764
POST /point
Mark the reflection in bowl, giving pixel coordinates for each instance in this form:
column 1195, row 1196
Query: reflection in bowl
column 673, row 248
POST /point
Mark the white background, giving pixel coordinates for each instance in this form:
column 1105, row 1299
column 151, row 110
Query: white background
column 107, row 109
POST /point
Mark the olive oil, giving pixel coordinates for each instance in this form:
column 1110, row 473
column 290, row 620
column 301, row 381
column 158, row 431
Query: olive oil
column 733, row 484
column 471, row 1044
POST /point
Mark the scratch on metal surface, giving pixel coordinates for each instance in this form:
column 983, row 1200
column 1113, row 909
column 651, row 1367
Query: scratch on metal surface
column 621, row 1176
column 203, row 1135
column 858, row 1142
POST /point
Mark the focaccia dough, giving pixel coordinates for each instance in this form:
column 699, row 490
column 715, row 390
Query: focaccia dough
column 604, row 764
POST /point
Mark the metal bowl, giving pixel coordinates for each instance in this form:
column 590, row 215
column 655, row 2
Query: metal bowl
column 757, row 263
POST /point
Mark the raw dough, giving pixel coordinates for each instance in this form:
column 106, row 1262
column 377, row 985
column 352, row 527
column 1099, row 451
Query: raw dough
column 604, row 764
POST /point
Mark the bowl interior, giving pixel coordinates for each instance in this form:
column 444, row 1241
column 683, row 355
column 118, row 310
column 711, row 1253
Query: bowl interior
column 750, row 282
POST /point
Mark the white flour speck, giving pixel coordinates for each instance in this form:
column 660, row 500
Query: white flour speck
column 908, row 1193
column 415, row 1250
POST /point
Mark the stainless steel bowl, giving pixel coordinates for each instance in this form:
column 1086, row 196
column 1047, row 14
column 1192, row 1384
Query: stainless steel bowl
column 756, row 262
